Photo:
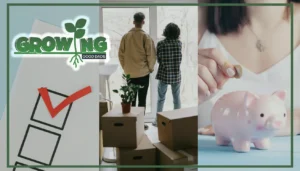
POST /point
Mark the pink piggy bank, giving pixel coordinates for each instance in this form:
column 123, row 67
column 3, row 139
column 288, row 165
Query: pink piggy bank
column 242, row 118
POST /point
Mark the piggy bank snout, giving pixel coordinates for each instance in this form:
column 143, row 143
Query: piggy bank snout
column 277, row 124
column 274, row 123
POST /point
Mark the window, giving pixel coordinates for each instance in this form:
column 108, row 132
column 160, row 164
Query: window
column 118, row 21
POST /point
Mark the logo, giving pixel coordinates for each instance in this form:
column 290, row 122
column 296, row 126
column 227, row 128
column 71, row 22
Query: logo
column 74, row 44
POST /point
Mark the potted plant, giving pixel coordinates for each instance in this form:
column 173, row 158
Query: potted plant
column 127, row 93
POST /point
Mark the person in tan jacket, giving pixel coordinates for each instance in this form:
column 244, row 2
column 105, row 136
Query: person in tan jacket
column 137, row 57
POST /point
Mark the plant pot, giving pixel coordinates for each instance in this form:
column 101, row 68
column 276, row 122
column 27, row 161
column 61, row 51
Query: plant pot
column 126, row 108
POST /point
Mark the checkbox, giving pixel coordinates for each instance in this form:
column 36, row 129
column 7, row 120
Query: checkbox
column 41, row 114
column 25, row 169
column 39, row 145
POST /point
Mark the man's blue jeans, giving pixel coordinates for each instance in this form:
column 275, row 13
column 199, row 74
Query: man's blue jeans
column 162, row 90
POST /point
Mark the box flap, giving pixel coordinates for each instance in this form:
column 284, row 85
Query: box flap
column 178, row 155
column 180, row 113
column 171, row 154
column 117, row 112
column 143, row 145
column 140, row 132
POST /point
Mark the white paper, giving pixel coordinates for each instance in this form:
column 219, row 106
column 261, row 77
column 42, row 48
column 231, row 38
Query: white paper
column 79, row 140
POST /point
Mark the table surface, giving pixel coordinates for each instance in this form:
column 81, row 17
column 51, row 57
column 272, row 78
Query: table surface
column 279, row 154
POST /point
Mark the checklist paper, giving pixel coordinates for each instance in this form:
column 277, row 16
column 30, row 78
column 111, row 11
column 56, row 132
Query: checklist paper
column 53, row 113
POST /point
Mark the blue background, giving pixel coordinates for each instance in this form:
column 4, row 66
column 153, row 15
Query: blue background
column 279, row 154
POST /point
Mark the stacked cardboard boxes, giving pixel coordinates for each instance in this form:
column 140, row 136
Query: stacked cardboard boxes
column 177, row 133
column 126, row 133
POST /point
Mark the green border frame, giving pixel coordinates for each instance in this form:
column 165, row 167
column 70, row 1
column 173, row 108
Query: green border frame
column 150, row 4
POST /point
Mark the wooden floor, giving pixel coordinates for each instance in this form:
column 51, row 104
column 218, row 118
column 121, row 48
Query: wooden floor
column 151, row 133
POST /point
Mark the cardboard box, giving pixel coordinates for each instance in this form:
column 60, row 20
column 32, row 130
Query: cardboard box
column 166, row 156
column 101, row 150
column 177, row 129
column 103, row 109
column 123, row 130
column 144, row 154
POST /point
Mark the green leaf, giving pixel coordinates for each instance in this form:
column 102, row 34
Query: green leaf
column 79, row 33
column 80, row 23
column 115, row 91
column 124, row 88
column 129, row 90
column 70, row 27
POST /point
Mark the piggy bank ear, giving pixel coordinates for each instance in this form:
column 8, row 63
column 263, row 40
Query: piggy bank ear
column 249, row 98
column 281, row 94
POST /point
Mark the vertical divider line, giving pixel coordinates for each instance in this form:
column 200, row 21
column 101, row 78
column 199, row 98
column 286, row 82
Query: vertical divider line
column 292, row 83
column 7, row 83
column 102, row 85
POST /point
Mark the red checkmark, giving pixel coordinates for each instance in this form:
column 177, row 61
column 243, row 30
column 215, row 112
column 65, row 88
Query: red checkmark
column 54, row 111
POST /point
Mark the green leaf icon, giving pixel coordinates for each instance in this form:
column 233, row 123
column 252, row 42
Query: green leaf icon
column 70, row 27
column 80, row 23
column 79, row 33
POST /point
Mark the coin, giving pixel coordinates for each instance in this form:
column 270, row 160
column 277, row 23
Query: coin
column 238, row 71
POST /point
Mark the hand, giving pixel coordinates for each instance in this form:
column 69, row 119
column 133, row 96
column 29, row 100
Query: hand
column 208, row 130
column 213, row 72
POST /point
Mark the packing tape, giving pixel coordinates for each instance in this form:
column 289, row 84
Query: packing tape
column 190, row 157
